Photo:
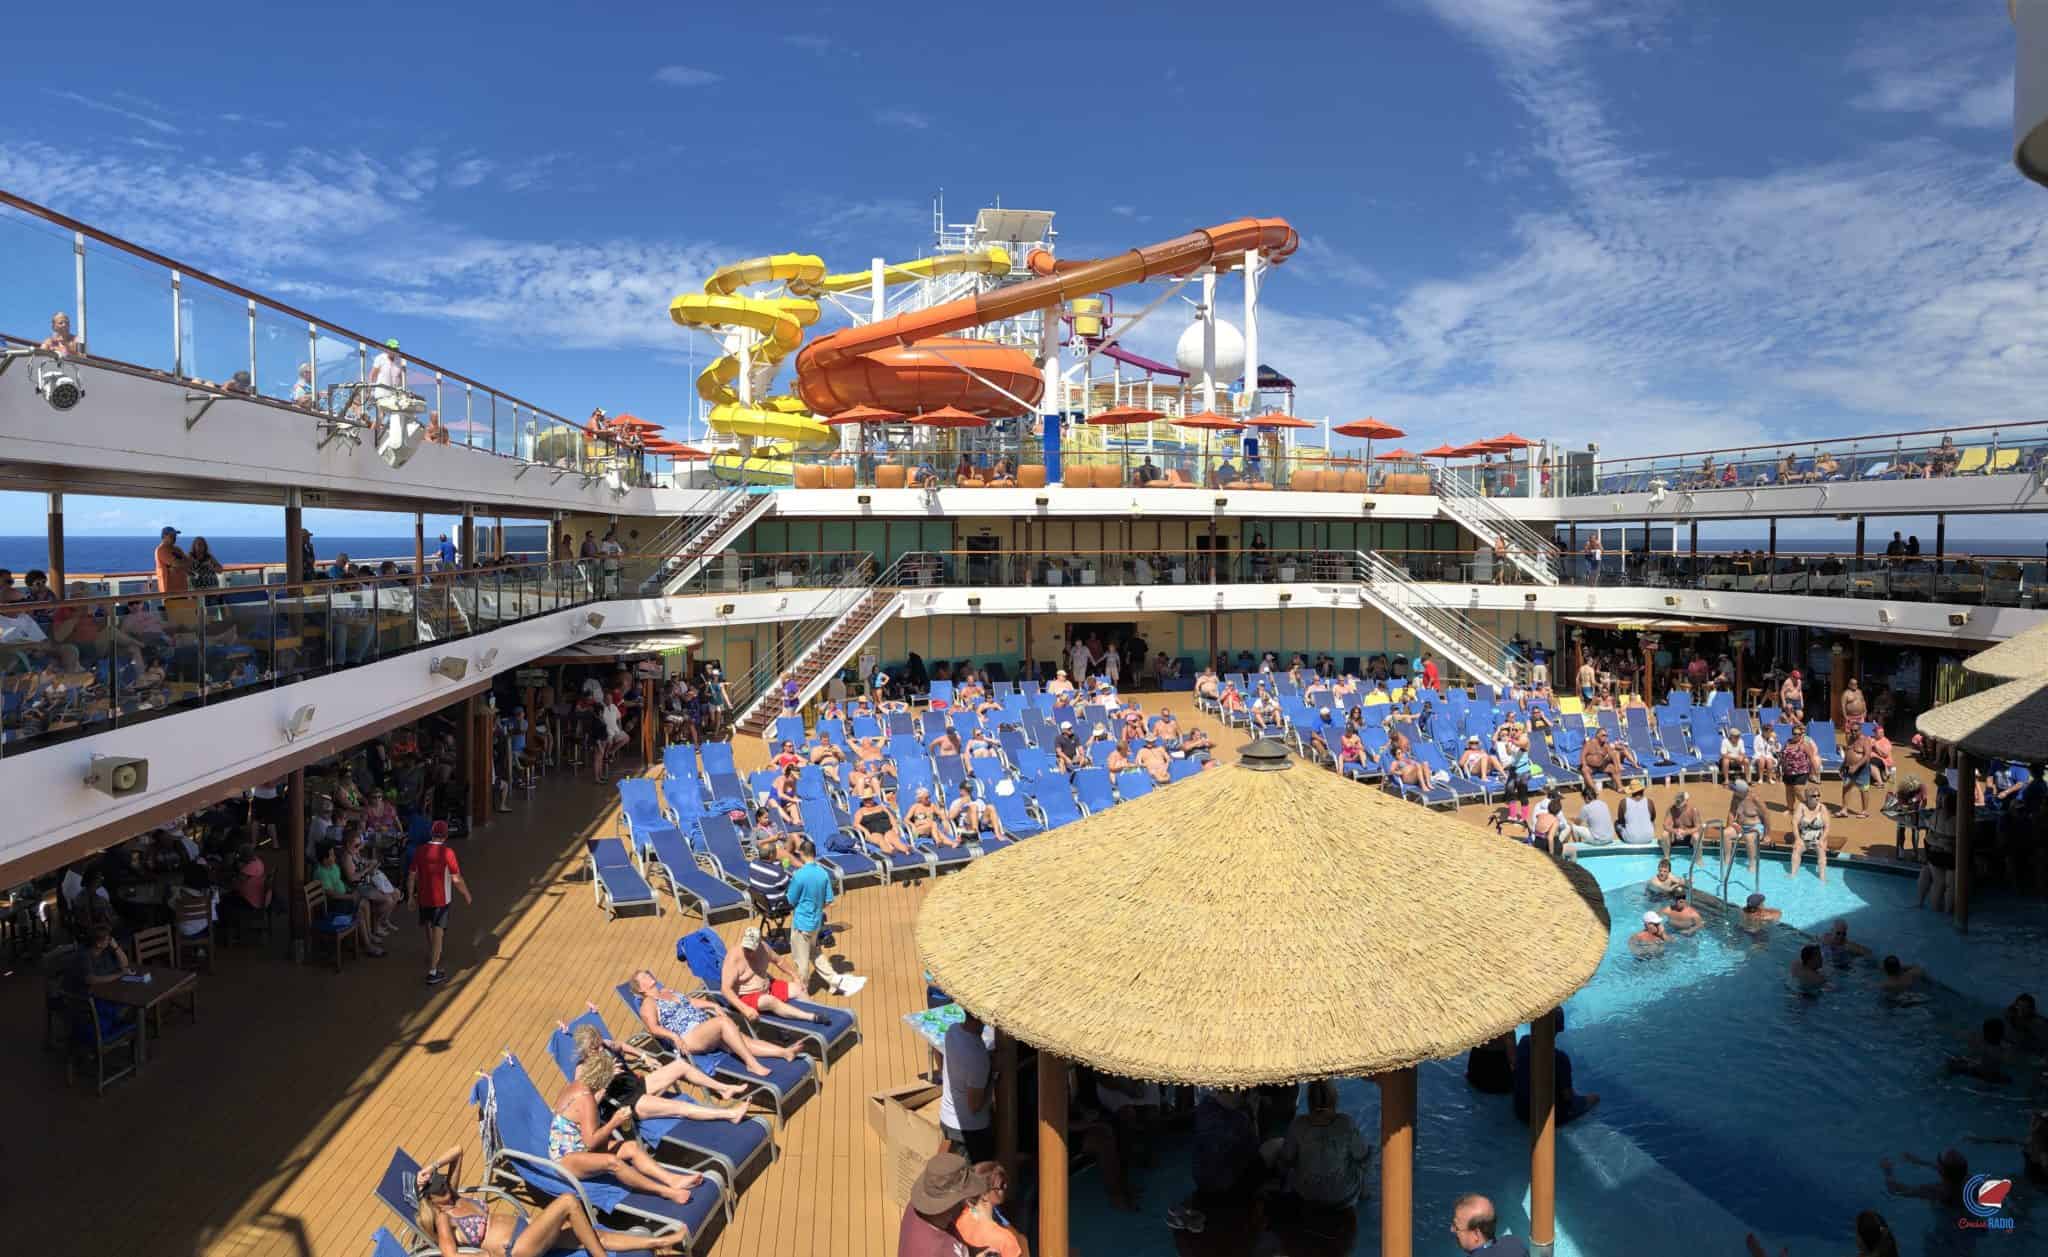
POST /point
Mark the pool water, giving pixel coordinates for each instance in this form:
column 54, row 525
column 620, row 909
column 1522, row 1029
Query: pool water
column 1730, row 1102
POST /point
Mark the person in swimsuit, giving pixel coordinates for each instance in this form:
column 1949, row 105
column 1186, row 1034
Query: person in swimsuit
column 698, row 1025
column 1899, row 977
column 786, row 799
column 1807, row 970
column 649, row 1094
column 2033, row 1149
column 1119, row 758
column 1158, row 765
column 1351, row 753
column 972, row 817
column 828, row 756
column 927, row 822
column 587, row 1147
column 875, row 821
column 1597, row 757
column 1792, row 697
column 1798, row 765
column 1810, row 829
column 1681, row 915
column 1664, row 883
column 457, row 1221
column 1544, row 827
column 748, row 979
column 1681, row 823
column 1734, row 762
column 947, row 743
column 1746, row 821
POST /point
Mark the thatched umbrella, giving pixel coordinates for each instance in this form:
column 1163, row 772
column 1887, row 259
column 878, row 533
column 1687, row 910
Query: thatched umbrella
column 2008, row 721
column 1326, row 931
column 2013, row 659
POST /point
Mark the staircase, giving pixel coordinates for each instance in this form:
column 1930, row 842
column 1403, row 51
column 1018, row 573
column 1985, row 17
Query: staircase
column 819, row 646
column 1444, row 628
column 1533, row 554
column 691, row 541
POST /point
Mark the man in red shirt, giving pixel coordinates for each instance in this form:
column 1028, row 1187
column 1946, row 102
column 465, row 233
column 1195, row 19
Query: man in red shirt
column 1430, row 677
column 431, row 882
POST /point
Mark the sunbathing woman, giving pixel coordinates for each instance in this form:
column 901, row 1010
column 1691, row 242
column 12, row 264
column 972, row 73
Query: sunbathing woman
column 927, row 822
column 1405, row 768
column 457, row 1221
column 786, row 800
column 587, row 1147
column 1350, row 753
column 698, row 1025
column 648, row 1095
column 880, row 827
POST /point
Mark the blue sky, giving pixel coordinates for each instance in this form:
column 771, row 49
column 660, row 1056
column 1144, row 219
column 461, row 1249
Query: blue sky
column 1652, row 225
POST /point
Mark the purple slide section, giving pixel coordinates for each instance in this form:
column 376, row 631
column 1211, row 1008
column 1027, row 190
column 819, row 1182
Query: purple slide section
column 1125, row 356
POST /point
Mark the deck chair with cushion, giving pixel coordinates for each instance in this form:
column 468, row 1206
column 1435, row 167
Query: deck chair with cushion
column 1015, row 811
column 786, row 1085
column 512, row 1124
column 1092, row 788
column 1133, row 783
column 1656, row 765
column 838, row 842
column 666, row 858
column 736, row 1150
column 832, row 1036
column 1054, row 798
column 398, row 1191
column 616, row 881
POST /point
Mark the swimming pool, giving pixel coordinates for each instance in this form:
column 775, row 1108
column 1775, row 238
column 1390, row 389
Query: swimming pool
column 1730, row 1103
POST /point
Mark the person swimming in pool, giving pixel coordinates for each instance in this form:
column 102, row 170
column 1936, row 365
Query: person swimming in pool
column 2024, row 1028
column 1990, row 1058
column 1681, row 915
column 1835, row 943
column 1649, row 941
column 1807, row 971
column 1756, row 917
column 2033, row 1149
column 1947, row 1190
column 1899, row 976
column 1664, row 883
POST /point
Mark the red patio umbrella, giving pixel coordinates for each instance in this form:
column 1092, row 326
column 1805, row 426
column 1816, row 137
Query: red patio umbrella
column 1276, row 420
column 1446, row 450
column 635, row 421
column 1368, row 430
column 1208, row 421
column 863, row 414
column 1510, row 441
column 1123, row 416
column 946, row 417
column 1395, row 456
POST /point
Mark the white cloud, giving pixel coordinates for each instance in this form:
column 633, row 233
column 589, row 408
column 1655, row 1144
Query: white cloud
column 685, row 76
column 909, row 119
column 1955, row 69
column 1318, row 259
column 137, row 116
column 253, row 121
column 811, row 43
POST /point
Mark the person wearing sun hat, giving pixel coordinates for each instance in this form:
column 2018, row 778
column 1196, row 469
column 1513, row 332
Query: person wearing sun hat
column 947, row 1185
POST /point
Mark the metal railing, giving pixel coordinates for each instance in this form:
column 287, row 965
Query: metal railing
column 1003, row 457
column 1970, row 579
column 855, row 583
column 1444, row 626
column 1513, row 540
column 677, row 536
column 130, row 308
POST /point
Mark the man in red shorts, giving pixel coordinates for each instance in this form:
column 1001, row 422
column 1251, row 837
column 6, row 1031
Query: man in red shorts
column 749, row 979
column 430, row 883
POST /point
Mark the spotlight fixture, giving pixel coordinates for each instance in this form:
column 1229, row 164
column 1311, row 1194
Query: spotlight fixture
column 725, row 608
column 485, row 660
column 58, row 386
column 1884, row 615
column 1286, row 597
column 1529, row 598
column 1222, row 502
column 301, row 720
column 594, row 620
column 974, row 601
column 453, row 667
column 1957, row 619
column 865, row 500
column 1042, row 501
column 1670, row 600
column 118, row 775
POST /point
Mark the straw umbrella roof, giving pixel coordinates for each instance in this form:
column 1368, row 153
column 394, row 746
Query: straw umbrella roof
column 1254, row 925
column 2008, row 721
column 2015, row 658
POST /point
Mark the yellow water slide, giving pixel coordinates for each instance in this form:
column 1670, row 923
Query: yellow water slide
column 775, row 425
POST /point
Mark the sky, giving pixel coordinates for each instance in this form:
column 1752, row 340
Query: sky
column 1651, row 225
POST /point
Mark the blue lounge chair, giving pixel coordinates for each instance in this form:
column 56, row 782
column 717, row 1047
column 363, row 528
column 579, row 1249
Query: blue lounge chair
column 1181, row 770
column 1054, row 798
column 679, row 769
column 1133, row 783
column 1092, row 788
column 833, row 1035
column 667, row 856
column 790, row 729
column 398, row 1191
column 738, row 1150
column 1830, row 743
column 940, row 692
column 837, row 842
column 1015, row 810
column 384, row 1244
column 785, row 1086
column 512, row 1122
column 617, row 881
column 1671, row 732
column 1656, row 765
column 1465, row 789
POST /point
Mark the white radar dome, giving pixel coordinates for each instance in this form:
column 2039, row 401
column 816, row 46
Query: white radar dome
column 1187, row 353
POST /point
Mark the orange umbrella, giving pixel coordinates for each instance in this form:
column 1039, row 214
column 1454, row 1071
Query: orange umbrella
column 1396, row 456
column 635, row 421
column 1276, row 420
column 863, row 414
column 1209, row 421
column 1446, row 450
column 1368, row 429
column 947, row 417
column 1509, row 441
column 1117, row 415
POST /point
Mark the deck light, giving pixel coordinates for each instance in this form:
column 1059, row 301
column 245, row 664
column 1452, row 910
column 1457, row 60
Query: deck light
column 594, row 620
column 865, row 500
column 1957, row 619
column 725, row 608
column 485, row 660
column 301, row 720
column 1042, row 501
column 58, row 386
column 118, row 775
column 1221, row 503
column 451, row 666
column 974, row 602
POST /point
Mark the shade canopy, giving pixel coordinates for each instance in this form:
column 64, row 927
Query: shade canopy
column 1510, row 441
column 2015, row 658
column 863, row 414
column 1369, row 429
column 635, row 422
column 2008, row 721
column 1445, row 450
column 1118, row 415
column 1209, row 420
column 1276, row 420
column 1258, row 925
column 674, row 449
column 1395, row 456
column 947, row 417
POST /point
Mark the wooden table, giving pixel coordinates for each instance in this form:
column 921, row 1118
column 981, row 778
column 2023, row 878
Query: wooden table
column 148, row 998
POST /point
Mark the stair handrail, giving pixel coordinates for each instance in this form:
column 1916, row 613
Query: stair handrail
column 1375, row 570
column 846, row 593
column 674, row 539
column 1519, row 534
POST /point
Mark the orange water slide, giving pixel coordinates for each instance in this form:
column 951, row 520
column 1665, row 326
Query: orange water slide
column 832, row 372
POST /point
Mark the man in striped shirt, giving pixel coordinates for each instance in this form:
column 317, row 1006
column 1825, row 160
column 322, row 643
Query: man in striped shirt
column 765, row 874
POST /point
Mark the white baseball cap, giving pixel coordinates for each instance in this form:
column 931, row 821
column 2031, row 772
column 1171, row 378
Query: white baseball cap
column 752, row 938
column 1651, row 918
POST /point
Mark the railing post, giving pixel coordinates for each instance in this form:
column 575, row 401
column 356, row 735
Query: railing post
column 177, row 324
column 78, row 282
column 313, row 362
column 252, row 348
column 362, row 362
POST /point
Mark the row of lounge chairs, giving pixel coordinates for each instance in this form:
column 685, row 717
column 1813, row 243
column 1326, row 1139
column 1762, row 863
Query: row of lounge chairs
column 1971, row 460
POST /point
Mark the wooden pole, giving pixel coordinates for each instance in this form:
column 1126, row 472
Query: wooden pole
column 1543, row 1133
column 295, row 859
column 1966, row 820
column 1052, row 1156
column 56, row 535
column 1397, row 1163
column 1006, row 1102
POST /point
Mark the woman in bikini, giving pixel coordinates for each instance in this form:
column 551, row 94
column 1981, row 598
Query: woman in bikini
column 696, row 1025
column 587, row 1147
column 786, row 799
column 647, row 1095
column 1120, row 758
column 457, row 1221
column 927, row 821
column 1351, row 753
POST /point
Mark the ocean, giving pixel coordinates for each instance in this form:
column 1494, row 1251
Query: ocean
column 114, row 555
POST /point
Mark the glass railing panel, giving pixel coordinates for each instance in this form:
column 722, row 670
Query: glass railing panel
column 37, row 259
column 128, row 309
column 213, row 337
column 283, row 352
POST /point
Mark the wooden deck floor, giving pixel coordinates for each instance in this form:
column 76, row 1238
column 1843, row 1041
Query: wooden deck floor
column 260, row 1131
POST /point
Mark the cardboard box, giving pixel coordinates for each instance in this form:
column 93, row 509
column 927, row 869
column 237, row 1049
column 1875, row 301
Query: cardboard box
column 906, row 1119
